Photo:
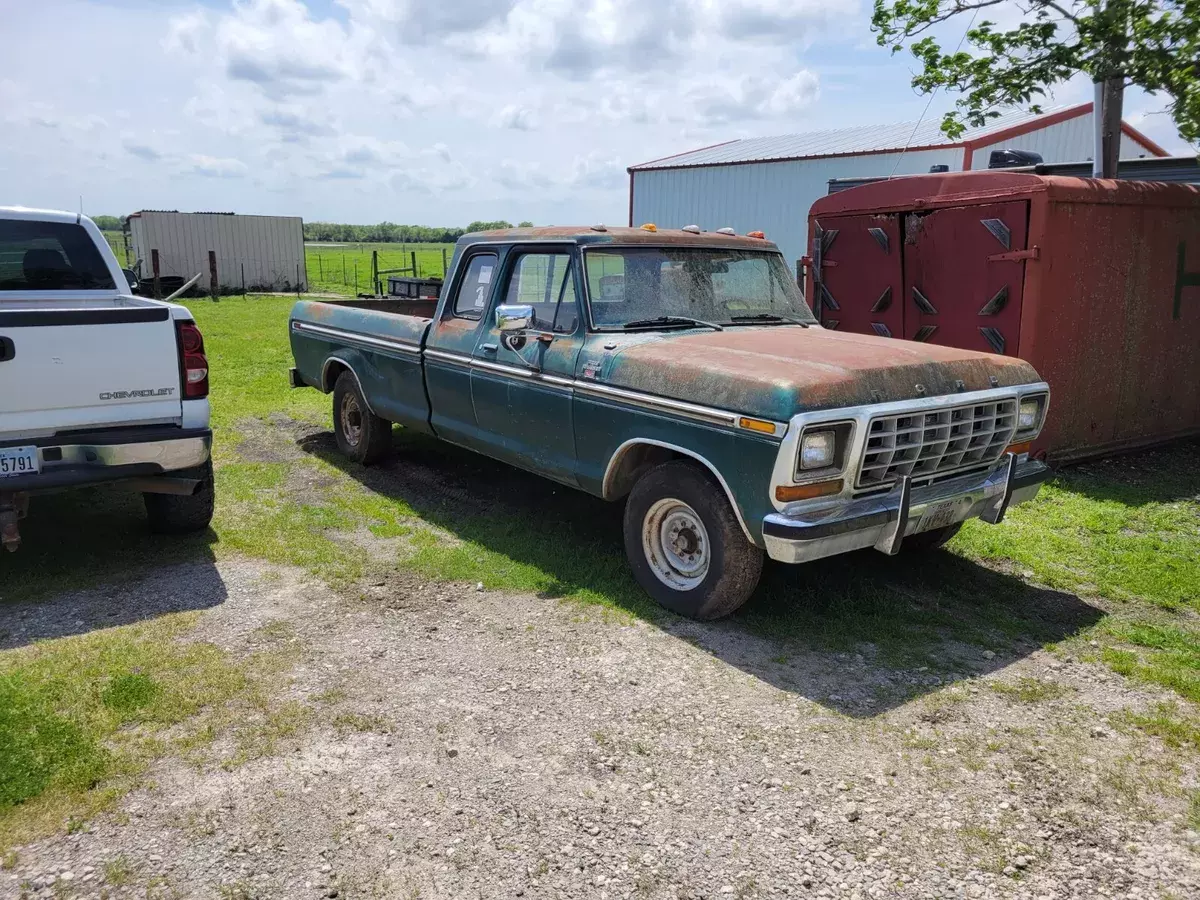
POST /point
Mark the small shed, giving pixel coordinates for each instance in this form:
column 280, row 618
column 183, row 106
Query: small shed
column 255, row 253
column 1094, row 282
column 768, row 183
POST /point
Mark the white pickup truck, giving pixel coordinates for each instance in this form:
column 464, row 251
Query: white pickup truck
column 96, row 385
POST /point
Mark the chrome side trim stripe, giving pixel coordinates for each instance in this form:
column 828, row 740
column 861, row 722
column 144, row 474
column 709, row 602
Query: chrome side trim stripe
column 592, row 389
column 364, row 340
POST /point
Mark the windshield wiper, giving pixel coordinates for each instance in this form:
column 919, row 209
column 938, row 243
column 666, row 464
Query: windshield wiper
column 671, row 320
column 770, row 317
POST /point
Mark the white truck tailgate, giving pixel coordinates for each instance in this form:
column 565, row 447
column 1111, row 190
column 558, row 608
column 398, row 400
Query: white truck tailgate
column 74, row 365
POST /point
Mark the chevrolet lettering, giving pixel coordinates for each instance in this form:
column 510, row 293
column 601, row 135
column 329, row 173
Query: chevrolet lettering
column 682, row 373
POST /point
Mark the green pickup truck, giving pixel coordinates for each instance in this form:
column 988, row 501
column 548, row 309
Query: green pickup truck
column 682, row 372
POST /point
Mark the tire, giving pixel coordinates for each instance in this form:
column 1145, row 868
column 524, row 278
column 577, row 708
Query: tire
column 676, row 498
column 935, row 538
column 361, row 435
column 177, row 514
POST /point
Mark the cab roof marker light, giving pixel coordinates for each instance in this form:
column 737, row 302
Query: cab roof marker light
column 756, row 234
column 599, row 228
column 649, row 226
column 691, row 229
column 726, row 230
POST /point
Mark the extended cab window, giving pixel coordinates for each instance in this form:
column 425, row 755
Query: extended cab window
column 50, row 256
column 543, row 281
column 476, row 286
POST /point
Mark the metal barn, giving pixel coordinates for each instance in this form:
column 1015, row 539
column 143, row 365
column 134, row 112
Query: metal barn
column 258, row 253
column 768, row 184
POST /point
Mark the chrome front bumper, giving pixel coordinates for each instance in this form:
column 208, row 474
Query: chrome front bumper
column 105, row 458
column 883, row 521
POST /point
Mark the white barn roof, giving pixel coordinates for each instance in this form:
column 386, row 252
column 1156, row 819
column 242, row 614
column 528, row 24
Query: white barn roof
column 842, row 142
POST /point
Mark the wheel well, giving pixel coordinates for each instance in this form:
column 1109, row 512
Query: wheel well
column 333, row 370
column 635, row 461
column 635, row 458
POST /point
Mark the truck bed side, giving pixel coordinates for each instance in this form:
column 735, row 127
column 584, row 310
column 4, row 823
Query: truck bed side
column 381, row 349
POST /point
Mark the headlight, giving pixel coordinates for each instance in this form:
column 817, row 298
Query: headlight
column 818, row 449
column 1029, row 413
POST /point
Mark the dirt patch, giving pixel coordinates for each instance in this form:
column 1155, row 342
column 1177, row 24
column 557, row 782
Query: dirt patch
column 274, row 440
column 462, row 743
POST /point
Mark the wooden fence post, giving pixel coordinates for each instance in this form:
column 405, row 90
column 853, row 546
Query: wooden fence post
column 375, row 272
column 243, row 279
column 443, row 263
column 414, row 265
column 154, row 268
column 213, row 285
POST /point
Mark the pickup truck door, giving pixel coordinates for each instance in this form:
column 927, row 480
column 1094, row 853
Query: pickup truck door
column 525, row 416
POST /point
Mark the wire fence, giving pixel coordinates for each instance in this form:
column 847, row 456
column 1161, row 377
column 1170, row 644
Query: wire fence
column 343, row 269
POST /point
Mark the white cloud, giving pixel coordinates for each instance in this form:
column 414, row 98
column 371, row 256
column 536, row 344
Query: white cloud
column 215, row 166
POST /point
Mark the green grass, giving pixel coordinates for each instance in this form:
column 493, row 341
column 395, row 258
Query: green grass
column 334, row 268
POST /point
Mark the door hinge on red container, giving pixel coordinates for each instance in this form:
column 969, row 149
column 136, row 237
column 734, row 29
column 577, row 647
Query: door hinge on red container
column 1032, row 253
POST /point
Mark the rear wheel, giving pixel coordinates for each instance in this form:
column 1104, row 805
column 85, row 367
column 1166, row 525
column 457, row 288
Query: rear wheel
column 178, row 514
column 361, row 435
column 924, row 541
column 685, row 545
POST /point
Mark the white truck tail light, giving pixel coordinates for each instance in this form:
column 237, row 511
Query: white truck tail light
column 192, row 361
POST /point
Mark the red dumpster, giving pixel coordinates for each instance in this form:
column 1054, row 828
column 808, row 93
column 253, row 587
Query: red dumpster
column 1094, row 282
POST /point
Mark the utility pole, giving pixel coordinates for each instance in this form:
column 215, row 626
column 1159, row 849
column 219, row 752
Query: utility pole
column 1107, row 109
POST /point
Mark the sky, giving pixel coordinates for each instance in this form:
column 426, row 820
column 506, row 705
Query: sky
column 432, row 112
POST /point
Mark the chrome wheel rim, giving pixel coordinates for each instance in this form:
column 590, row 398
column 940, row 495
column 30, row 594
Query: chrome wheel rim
column 351, row 417
column 676, row 544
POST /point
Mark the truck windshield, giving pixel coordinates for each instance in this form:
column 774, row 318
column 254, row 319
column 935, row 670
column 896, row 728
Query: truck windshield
column 670, row 287
column 50, row 256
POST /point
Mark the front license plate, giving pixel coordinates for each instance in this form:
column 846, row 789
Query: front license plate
column 18, row 461
column 939, row 515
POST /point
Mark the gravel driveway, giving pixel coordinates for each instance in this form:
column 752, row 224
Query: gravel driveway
column 463, row 743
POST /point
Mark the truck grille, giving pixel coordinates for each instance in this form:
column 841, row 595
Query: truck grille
column 934, row 442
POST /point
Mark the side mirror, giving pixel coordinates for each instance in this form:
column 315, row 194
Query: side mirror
column 132, row 279
column 514, row 318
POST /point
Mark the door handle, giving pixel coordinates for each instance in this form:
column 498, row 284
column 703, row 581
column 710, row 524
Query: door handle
column 7, row 349
column 488, row 348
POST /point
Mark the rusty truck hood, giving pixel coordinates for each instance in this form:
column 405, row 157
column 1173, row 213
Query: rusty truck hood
column 779, row 371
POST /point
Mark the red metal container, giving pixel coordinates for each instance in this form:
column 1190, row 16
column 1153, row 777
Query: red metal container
column 1096, row 283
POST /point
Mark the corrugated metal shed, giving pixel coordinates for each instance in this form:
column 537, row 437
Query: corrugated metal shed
column 769, row 183
column 772, row 197
column 834, row 142
column 253, row 252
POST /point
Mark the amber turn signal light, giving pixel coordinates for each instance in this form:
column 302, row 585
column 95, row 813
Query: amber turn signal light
column 757, row 425
column 788, row 493
column 1018, row 449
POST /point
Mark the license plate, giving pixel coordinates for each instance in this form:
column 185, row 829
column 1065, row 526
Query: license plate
column 939, row 515
column 18, row 461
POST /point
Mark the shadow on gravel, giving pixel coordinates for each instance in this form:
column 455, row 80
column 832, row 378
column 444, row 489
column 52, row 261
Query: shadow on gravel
column 94, row 536
column 170, row 589
column 860, row 633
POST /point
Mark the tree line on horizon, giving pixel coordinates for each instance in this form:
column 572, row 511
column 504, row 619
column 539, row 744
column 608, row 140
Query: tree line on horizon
column 383, row 233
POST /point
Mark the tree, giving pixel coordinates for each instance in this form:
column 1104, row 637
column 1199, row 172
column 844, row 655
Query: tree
column 525, row 225
column 1154, row 44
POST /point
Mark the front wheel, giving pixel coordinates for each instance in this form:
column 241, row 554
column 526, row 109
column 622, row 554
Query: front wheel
column 361, row 435
column 685, row 545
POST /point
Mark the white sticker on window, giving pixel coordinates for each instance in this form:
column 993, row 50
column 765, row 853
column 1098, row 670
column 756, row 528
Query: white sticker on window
column 485, row 274
column 480, row 297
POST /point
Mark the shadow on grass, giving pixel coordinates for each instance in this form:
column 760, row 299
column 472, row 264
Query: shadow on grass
column 859, row 633
column 1162, row 475
column 77, row 539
